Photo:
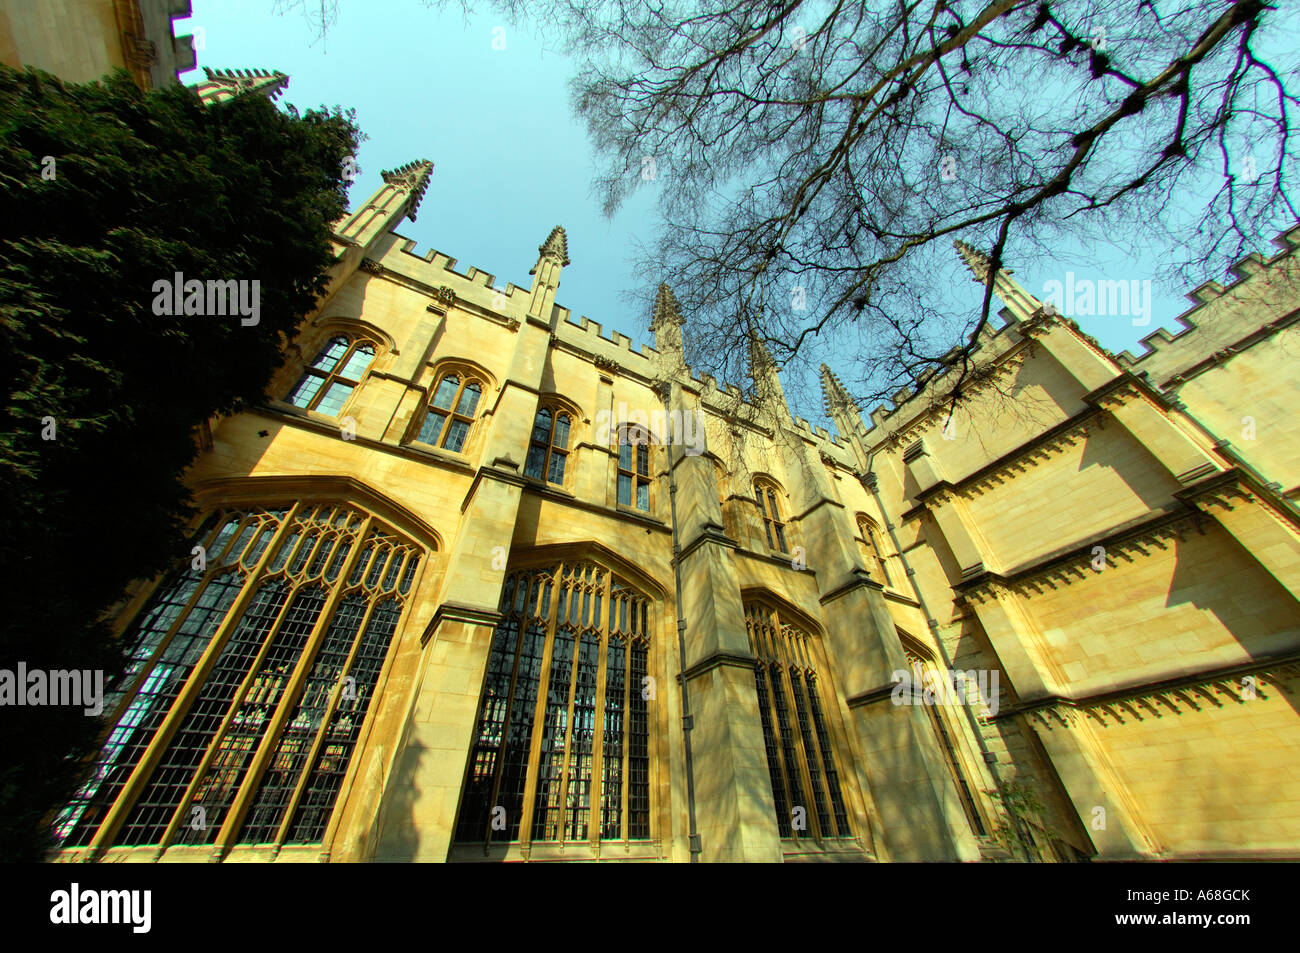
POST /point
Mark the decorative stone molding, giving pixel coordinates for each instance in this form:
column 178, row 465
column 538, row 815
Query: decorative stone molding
column 512, row 324
column 1227, row 490
column 977, row 380
column 371, row 266
column 1242, row 686
column 606, row 364
column 1059, row 571
column 1004, row 471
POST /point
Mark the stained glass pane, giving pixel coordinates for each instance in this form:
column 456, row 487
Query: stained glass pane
column 155, row 807
column 468, row 400
column 250, row 716
column 773, row 758
column 334, row 399
column 457, row 431
column 291, row 751
column 555, row 739
column 556, row 472
column 485, row 756
column 206, row 763
column 536, row 461
column 306, row 389
column 330, row 355
column 638, row 761
column 828, row 758
column 564, row 797
column 431, row 430
column 344, row 727
column 446, row 392
column 542, row 426
column 611, row 799
column 358, row 362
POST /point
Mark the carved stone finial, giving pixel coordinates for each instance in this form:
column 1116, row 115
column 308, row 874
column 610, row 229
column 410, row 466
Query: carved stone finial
column 1019, row 302
column 228, row 83
column 835, row 394
column 556, row 246
column 666, row 310
column 414, row 178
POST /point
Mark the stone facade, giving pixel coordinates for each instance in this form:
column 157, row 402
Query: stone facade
column 1106, row 544
column 81, row 40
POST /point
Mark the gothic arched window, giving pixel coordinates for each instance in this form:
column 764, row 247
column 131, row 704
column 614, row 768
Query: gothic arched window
column 766, row 493
column 796, row 734
column 925, row 677
column 548, row 450
column 873, row 551
column 330, row 379
column 451, row 411
column 634, row 468
column 562, row 745
column 250, row 674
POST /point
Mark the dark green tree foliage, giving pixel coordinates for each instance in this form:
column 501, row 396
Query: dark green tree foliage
column 144, row 185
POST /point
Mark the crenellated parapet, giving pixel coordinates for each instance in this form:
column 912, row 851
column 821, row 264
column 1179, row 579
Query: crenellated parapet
column 1224, row 319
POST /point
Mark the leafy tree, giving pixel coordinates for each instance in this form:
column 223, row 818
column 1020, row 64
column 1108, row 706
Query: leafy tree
column 104, row 191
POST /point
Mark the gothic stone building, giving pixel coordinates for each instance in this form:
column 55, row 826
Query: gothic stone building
column 464, row 590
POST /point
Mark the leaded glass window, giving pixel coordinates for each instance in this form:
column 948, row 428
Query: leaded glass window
column 330, row 380
column 875, row 555
column 451, row 412
column 801, row 760
column 548, row 449
column 250, row 674
column 634, row 468
column 766, row 494
column 924, row 676
column 562, row 745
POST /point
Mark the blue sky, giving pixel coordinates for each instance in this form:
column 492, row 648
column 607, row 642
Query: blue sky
column 510, row 159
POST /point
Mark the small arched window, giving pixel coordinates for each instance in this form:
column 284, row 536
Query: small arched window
column 873, row 551
column 766, row 494
column 634, row 468
column 330, row 380
column 548, row 450
column 451, row 412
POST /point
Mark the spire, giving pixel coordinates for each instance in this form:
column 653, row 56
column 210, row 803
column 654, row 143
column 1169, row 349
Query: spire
column 396, row 199
column 666, row 310
column 224, row 84
column 763, row 369
column 552, row 256
column 412, row 178
column 1019, row 302
column 843, row 409
column 835, row 394
column 666, row 324
column 555, row 247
